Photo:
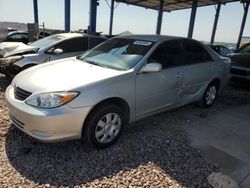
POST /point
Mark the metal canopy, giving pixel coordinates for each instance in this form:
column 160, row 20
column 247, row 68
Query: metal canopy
column 172, row 5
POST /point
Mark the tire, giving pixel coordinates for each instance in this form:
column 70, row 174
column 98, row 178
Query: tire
column 210, row 95
column 99, row 131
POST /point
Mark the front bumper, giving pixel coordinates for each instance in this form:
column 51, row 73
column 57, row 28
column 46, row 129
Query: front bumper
column 47, row 125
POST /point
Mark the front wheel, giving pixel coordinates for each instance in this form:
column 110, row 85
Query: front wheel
column 210, row 95
column 104, row 126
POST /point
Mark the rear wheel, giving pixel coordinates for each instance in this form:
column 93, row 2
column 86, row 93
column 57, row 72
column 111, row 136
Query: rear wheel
column 210, row 95
column 104, row 126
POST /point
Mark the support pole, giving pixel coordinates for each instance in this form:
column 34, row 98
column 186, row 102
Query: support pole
column 111, row 17
column 92, row 16
column 35, row 11
column 192, row 19
column 246, row 6
column 67, row 15
column 159, row 19
column 215, row 22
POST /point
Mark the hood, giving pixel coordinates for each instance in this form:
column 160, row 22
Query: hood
column 62, row 75
column 13, row 48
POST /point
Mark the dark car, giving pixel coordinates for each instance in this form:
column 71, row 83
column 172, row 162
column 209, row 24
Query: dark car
column 241, row 63
column 22, row 36
column 221, row 50
column 17, row 36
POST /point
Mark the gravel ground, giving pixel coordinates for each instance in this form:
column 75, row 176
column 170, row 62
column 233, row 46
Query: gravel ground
column 151, row 153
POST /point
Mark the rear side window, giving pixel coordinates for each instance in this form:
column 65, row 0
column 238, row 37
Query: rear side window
column 168, row 54
column 73, row 45
column 194, row 53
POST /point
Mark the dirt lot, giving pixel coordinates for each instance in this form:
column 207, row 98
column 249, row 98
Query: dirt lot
column 153, row 152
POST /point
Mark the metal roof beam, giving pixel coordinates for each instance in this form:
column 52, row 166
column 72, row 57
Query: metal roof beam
column 111, row 17
column 67, row 15
column 192, row 19
column 92, row 16
column 215, row 23
column 35, row 11
column 159, row 19
column 246, row 6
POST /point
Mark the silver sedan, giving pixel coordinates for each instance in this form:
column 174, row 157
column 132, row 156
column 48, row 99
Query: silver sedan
column 120, row 81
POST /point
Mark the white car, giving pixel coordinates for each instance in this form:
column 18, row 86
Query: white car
column 17, row 56
column 120, row 81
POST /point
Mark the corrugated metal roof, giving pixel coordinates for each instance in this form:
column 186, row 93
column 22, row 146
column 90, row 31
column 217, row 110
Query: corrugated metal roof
column 172, row 5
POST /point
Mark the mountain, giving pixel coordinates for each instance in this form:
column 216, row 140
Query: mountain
column 14, row 25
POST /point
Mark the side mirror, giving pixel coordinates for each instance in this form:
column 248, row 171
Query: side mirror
column 152, row 67
column 57, row 51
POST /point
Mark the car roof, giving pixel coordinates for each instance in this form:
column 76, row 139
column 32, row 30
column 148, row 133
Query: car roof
column 72, row 35
column 152, row 38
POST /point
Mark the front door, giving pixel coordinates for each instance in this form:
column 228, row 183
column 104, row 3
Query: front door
column 159, row 90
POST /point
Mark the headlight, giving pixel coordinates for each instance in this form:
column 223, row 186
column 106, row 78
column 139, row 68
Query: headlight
column 10, row 60
column 51, row 100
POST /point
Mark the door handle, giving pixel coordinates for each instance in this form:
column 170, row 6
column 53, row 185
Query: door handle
column 179, row 75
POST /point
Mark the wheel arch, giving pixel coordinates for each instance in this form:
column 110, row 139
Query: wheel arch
column 217, row 82
column 120, row 102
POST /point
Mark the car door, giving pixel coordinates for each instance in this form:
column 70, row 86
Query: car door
column 70, row 48
column 159, row 90
column 197, row 69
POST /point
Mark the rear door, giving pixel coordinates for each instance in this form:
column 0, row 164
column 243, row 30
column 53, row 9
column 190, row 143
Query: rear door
column 197, row 69
column 71, row 47
column 158, row 90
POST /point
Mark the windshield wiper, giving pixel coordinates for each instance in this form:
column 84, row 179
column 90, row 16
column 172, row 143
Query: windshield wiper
column 95, row 63
column 101, row 65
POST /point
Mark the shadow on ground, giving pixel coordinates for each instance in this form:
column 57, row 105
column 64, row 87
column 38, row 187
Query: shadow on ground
column 71, row 163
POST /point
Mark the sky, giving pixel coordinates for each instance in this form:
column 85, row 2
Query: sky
column 130, row 18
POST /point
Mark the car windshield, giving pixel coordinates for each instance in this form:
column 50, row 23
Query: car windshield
column 118, row 53
column 47, row 41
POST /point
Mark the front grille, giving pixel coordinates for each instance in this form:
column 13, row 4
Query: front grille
column 16, row 122
column 239, row 72
column 21, row 94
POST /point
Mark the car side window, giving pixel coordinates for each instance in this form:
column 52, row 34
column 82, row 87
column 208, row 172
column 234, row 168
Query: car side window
column 168, row 54
column 194, row 53
column 18, row 36
column 73, row 45
column 95, row 41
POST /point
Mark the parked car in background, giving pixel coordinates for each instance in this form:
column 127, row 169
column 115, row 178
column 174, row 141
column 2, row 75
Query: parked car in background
column 221, row 50
column 17, row 36
column 22, row 36
column 122, row 80
column 18, row 56
column 241, row 63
